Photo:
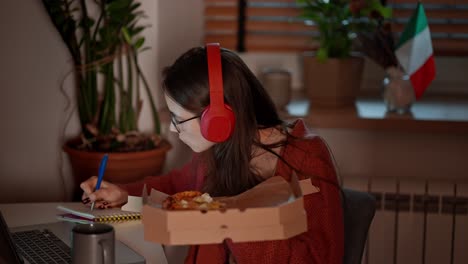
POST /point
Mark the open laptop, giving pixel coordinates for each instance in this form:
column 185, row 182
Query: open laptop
column 52, row 242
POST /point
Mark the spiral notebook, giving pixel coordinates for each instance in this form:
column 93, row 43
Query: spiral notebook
column 79, row 213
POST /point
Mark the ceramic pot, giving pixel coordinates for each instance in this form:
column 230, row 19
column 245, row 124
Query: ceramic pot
column 333, row 83
column 122, row 167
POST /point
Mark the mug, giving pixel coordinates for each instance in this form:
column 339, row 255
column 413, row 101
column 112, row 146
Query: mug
column 277, row 83
column 93, row 244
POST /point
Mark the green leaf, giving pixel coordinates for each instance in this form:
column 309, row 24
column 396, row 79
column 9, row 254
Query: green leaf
column 137, row 30
column 139, row 43
column 126, row 35
column 117, row 5
column 322, row 54
column 134, row 6
column 386, row 12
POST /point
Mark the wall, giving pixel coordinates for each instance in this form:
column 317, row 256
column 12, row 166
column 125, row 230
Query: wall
column 399, row 155
column 180, row 24
column 34, row 62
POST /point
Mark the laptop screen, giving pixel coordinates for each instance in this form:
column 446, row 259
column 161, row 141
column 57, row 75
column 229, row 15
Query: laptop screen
column 8, row 252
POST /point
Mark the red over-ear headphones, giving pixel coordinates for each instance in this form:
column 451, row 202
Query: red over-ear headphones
column 217, row 120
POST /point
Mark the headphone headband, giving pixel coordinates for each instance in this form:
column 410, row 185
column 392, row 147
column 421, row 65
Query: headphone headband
column 217, row 120
column 215, row 74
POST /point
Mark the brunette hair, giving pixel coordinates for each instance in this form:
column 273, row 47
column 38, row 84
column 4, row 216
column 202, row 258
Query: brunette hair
column 228, row 164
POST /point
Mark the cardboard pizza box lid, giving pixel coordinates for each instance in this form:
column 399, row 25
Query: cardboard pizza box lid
column 271, row 210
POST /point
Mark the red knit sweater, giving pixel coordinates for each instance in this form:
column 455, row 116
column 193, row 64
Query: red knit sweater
column 324, row 240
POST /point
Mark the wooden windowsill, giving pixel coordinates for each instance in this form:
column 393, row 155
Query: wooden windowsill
column 427, row 116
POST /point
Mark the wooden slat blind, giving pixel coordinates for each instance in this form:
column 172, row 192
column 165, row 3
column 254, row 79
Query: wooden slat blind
column 274, row 25
column 221, row 22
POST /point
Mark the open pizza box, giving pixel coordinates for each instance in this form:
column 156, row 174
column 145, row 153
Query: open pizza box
column 272, row 210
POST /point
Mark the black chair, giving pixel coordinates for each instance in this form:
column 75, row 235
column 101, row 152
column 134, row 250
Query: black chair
column 358, row 212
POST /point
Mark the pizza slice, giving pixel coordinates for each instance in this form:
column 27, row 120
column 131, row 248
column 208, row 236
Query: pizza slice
column 191, row 200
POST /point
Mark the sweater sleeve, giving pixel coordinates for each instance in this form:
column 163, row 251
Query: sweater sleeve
column 324, row 241
column 174, row 181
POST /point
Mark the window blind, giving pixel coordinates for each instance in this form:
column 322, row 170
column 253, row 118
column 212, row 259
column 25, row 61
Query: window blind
column 275, row 25
column 221, row 22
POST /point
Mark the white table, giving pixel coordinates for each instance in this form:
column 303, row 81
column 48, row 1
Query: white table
column 129, row 233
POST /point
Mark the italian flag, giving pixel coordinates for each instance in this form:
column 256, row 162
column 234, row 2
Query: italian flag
column 414, row 52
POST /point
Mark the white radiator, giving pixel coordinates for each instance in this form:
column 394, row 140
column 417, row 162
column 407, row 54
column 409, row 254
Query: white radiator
column 416, row 221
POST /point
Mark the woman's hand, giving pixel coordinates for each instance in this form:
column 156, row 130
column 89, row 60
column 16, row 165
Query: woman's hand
column 109, row 195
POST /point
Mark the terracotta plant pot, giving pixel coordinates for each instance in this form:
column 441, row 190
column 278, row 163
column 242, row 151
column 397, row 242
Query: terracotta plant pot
column 335, row 83
column 122, row 167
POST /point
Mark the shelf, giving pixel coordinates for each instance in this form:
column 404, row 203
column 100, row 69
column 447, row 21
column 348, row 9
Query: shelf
column 427, row 116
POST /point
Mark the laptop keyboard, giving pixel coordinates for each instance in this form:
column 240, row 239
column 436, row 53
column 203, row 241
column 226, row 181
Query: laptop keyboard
column 42, row 246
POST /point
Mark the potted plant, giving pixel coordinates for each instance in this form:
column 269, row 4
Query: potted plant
column 108, row 80
column 332, row 75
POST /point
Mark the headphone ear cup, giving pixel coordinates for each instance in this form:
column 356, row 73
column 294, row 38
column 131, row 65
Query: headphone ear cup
column 217, row 124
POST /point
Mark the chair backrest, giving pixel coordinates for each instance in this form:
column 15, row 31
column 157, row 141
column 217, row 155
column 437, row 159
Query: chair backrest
column 358, row 212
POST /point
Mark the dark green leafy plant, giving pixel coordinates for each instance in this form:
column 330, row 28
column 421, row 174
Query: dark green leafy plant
column 105, row 45
column 340, row 22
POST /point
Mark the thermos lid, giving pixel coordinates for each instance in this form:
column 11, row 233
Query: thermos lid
column 95, row 228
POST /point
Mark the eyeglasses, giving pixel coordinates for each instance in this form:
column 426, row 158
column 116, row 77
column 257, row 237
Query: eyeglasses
column 175, row 122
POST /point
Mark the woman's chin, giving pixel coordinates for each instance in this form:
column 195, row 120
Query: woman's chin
column 200, row 148
column 197, row 149
column 197, row 144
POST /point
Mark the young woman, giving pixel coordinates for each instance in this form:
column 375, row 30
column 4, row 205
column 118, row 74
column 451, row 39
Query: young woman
column 261, row 145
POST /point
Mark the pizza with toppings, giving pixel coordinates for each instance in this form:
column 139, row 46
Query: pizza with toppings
column 191, row 200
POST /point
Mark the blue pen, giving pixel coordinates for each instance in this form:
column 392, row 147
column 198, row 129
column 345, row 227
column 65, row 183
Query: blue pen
column 102, row 168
